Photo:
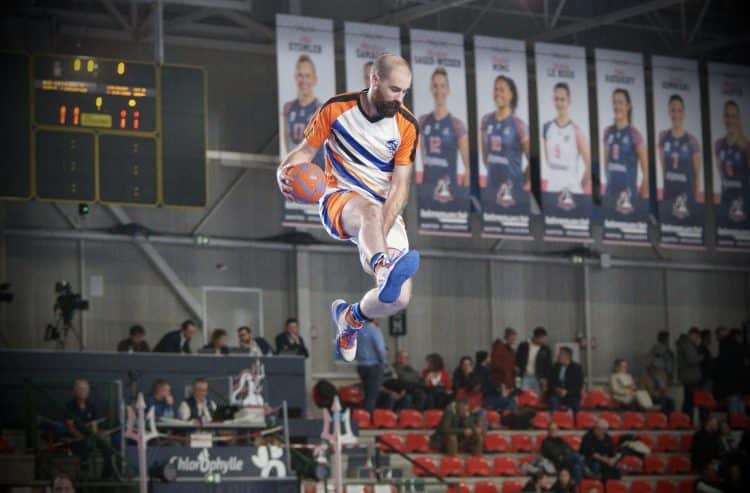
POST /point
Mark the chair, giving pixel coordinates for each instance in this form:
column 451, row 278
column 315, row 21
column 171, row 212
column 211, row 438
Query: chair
column 585, row 420
column 495, row 442
column 615, row 486
column 538, row 442
column 512, row 486
column 390, row 442
column 424, row 464
column 587, row 484
column 351, row 395
column 410, row 418
column 505, row 466
column 686, row 486
column 648, row 440
column 656, row 420
column 493, row 419
column 686, row 442
column 654, row 464
column 666, row 486
column 362, row 418
column 418, row 442
column 631, row 464
column 540, row 420
column 485, row 487
column 432, row 418
column 667, row 442
column 613, row 419
column 528, row 398
column 451, row 466
column 477, row 466
column 640, row 486
column 705, row 400
column 521, row 442
column 573, row 441
column 459, row 488
column 679, row 421
column 598, row 399
column 563, row 419
column 678, row 464
column 384, row 418
column 632, row 420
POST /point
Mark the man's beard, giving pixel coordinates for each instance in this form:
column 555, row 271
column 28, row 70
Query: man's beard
column 385, row 109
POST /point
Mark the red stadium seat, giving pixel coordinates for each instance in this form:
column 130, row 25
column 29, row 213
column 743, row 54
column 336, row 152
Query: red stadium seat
column 362, row 418
column 614, row 420
column 538, row 442
column 459, row 488
column 678, row 464
column 641, row 486
column 615, row 486
column 656, row 420
column 654, row 464
column 704, row 400
column 588, row 484
column 738, row 421
column 477, row 466
column 526, row 459
column 666, row 486
column 667, row 442
column 390, row 442
column 409, row 418
column 679, row 421
column 563, row 419
column 512, row 486
column 630, row 464
column 521, row 442
column 648, row 440
column 425, row 463
column 540, row 420
column 632, row 420
column 505, row 466
column 598, row 399
column 485, row 487
column 585, row 420
column 351, row 395
column 451, row 466
column 495, row 442
column 418, row 442
column 432, row 418
column 528, row 398
column 573, row 441
column 384, row 418
column 686, row 442
column 493, row 419
column 686, row 486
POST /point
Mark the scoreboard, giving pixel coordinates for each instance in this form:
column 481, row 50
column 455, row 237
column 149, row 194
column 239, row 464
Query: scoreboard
column 97, row 130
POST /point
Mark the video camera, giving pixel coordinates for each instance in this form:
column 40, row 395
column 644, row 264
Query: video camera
column 68, row 302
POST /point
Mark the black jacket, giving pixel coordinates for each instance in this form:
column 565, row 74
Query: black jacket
column 285, row 345
column 573, row 379
column 543, row 363
column 170, row 343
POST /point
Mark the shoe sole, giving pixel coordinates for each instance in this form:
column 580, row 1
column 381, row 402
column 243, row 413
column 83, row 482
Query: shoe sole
column 336, row 308
column 406, row 266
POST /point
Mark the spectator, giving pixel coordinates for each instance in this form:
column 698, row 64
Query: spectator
column 256, row 346
column 465, row 380
column 534, row 360
column 393, row 394
column 459, row 430
column 728, row 443
column 689, row 366
column 370, row 362
column 177, row 341
column 731, row 373
column 82, row 423
column 437, row 382
column 503, row 360
column 62, row 484
column 624, row 389
column 566, row 382
column 661, row 356
column 410, row 379
column 707, row 365
column 564, row 483
column 161, row 399
column 598, row 450
column 494, row 396
column 654, row 381
column 218, row 343
column 534, row 484
column 290, row 341
column 136, row 341
column 706, row 448
column 557, row 451
column 197, row 408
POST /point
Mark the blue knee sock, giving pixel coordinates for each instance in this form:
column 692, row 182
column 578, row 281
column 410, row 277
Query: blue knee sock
column 375, row 259
column 357, row 314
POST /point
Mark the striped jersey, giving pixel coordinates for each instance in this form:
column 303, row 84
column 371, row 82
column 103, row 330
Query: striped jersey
column 361, row 152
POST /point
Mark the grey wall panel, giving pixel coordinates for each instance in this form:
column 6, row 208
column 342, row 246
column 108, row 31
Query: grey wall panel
column 706, row 299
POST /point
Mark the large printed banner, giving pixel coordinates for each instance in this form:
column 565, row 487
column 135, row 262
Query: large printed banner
column 729, row 103
column 562, row 95
column 363, row 44
column 502, row 120
column 306, row 78
column 623, row 152
column 679, row 161
column 442, row 167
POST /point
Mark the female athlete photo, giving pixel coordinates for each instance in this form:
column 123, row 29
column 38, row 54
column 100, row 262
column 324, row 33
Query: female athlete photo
column 732, row 157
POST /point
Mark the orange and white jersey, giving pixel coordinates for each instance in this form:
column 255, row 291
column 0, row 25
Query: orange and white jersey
column 361, row 152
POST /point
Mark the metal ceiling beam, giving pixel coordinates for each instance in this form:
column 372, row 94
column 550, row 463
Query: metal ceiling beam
column 556, row 15
column 238, row 5
column 699, row 21
column 187, row 19
column 715, row 44
column 251, row 24
column 409, row 14
column 117, row 15
column 603, row 20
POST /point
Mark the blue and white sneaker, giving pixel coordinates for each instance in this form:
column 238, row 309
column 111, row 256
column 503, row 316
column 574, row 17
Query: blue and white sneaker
column 394, row 274
column 346, row 336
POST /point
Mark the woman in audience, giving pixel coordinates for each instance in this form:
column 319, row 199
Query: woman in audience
column 437, row 383
column 624, row 389
column 466, row 383
column 564, row 483
column 218, row 344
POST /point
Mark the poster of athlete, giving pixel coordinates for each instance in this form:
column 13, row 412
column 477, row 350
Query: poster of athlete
column 562, row 96
column 679, row 158
column 502, row 120
column 439, row 99
column 363, row 44
column 729, row 107
column 623, row 153
column 306, row 79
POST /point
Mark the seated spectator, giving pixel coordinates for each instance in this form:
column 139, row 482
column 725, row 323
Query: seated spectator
column 493, row 395
column 161, row 399
column 256, row 346
column 290, row 341
column 197, row 408
column 534, row 484
column 410, row 379
column 459, row 431
column 655, row 381
column 534, row 361
column 624, row 389
column 393, row 394
column 728, row 442
column 564, row 483
column 565, row 383
column 598, row 450
column 557, row 451
column 466, row 383
column 82, row 423
column 136, row 341
column 62, row 484
column 437, row 383
column 731, row 372
column 217, row 344
column 177, row 341
column 503, row 361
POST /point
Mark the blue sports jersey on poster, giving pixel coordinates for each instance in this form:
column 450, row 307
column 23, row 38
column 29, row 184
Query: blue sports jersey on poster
column 622, row 158
column 677, row 157
column 296, row 117
column 440, row 141
column 502, row 143
column 733, row 166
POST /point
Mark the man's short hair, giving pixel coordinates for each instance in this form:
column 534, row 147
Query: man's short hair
column 185, row 324
column 566, row 350
column 540, row 332
column 602, row 423
column 200, row 380
column 158, row 383
column 694, row 331
column 137, row 330
column 480, row 356
column 510, row 331
column 244, row 328
column 61, row 476
column 383, row 64
column 663, row 336
column 81, row 382
column 290, row 320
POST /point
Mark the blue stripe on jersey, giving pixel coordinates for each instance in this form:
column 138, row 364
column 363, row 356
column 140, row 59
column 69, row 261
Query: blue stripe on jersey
column 382, row 165
column 340, row 169
column 326, row 219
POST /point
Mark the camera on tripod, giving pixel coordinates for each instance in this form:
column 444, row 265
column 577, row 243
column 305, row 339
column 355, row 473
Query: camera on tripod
column 66, row 305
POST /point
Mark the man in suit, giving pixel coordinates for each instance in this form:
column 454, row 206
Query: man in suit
column 177, row 341
column 565, row 382
column 534, row 361
column 289, row 341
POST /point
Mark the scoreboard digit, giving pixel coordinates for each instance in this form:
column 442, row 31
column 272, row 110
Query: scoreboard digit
column 129, row 176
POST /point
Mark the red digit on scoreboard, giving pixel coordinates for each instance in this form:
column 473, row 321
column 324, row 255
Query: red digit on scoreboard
column 123, row 116
column 76, row 115
column 136, row 119
column 63, row 112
